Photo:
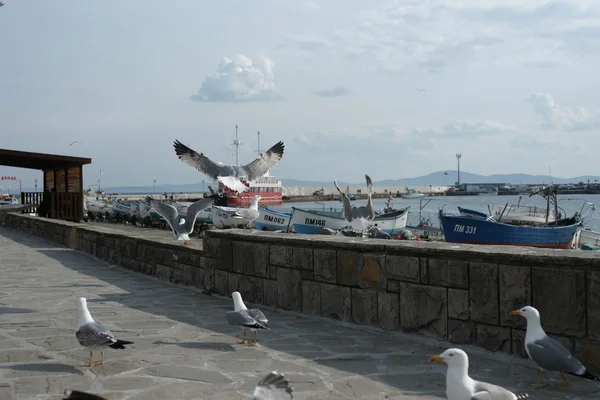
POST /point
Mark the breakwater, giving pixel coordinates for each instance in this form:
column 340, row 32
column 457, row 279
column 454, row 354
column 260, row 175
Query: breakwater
column 462, row 293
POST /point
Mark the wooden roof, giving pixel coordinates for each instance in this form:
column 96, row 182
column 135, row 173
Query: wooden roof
column 42, row 161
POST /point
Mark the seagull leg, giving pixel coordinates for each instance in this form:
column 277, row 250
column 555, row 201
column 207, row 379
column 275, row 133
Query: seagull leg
column 537, row 385
column 89, row 365
column 564, row 381
column 255, row 333
column 101, row 362
column 243, row 338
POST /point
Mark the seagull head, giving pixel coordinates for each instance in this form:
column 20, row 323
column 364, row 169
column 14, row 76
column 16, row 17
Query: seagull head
column 82, row 302
column 452, row 357
column 181, row 221
column 527, row 312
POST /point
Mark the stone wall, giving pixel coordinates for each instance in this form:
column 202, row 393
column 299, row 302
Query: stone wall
column 439, row 290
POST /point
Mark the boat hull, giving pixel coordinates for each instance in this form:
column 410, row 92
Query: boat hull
column 312, row 222
column 468, row 230
column 222, row 217
column 205, row 216
column 427, row 232
column 589, row 237
column 269, row 220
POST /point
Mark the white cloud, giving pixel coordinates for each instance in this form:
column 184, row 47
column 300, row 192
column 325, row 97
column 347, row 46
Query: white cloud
column 438, row 34
column 313, row 5
column 239, row 80
column 336, row 91
column 465, row 129
column 557, row 117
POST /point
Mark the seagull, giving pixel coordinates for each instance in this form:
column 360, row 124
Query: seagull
column 250, row 213
column 246, row 319
column 367, row 212
column 347, row 210
column 75, row 141
column 214, row 169
column 419, row 90
column 94, row 335
column 460, row 386
column 547, row 353
column 182, row 227
column 271, row 387
column 1, row 4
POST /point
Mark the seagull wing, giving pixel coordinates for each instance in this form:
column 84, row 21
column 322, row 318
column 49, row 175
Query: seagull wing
column 264, row 162
column 193, row 210
column 201, row 162
column 167, row 211
column 346, row 201
column 369, row 183
column 553, row 356
column 487, row 391
column 272, row 387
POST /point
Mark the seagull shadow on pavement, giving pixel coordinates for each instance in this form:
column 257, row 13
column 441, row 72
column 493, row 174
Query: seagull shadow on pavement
column 49, row 367
column 224, row 347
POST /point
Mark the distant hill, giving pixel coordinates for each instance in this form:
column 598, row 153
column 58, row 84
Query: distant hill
column 435, row 178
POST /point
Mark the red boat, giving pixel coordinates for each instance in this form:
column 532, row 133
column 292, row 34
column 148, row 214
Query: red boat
column 268, row 188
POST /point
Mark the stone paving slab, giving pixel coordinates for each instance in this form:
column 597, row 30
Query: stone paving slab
column 184, row 349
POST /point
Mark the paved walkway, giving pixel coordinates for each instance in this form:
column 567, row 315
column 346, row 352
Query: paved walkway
column 184, row 349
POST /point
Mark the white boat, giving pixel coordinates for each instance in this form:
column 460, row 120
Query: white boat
column 313, row 221
column 521, row 215
column 589, row 237
column 271, row 220
column 412, row 194
column 426, row 231
column 222, row 217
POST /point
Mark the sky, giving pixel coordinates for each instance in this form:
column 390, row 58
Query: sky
column 389, row 88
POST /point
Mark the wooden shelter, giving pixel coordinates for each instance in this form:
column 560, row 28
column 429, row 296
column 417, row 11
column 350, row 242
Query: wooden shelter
column 62, row 197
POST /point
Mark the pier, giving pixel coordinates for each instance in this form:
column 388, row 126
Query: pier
column 350, row 318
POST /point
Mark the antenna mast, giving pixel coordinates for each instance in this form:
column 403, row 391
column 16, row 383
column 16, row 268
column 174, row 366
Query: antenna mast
column 237, row 145
column 258, row 149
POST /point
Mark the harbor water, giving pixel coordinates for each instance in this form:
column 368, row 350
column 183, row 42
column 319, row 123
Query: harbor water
column 569, row 203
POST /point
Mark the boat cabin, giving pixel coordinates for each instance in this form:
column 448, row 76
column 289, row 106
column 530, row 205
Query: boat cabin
column 62, row 195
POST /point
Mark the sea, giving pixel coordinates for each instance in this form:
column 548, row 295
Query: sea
column 584, row 204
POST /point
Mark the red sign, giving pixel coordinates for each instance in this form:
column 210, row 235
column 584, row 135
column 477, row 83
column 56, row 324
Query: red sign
column 8, row 178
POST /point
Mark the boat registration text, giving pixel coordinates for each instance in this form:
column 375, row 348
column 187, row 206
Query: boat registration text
column 470, row 230
column 314, row 221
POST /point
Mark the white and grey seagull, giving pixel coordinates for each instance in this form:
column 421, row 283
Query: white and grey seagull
column 181, row 227
column 547, row 353
column 94, row 335
column 460, row 386
column 214, row 169
column 246, row 319
column 274, row 386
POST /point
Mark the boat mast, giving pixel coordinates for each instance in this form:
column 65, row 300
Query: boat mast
column 237, row 144
column 258, row 149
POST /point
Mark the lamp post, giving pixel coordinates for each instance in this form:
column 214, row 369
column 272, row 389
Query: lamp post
column 458, row 156
column 203, row 191
column 155, row 186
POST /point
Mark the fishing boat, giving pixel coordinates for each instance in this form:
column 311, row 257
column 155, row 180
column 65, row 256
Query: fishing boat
column 120, row 208
column 589, row 237
column 412, row 194
column 522, row 215
column 222, row 217
column 560, row 234
column 467, row 212
column 424, row 229
column 271, row 220
column 313, row 221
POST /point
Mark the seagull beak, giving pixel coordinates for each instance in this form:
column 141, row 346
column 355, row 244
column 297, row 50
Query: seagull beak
column 433, row 359
column 186, row 243
column 515, row 312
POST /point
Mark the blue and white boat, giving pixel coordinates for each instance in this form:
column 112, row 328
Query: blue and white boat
column 476, row 230
column 467, row 212
column 271, row 220
column 313, row 221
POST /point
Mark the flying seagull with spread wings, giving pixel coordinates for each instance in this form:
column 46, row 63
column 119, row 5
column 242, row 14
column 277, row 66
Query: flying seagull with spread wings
column 214, row 169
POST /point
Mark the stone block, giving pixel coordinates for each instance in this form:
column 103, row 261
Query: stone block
column 234, row 282
column 560, row 297
column 270, row 292
column 193, row 276
column 372, row 271
column 273, row 272
column 280, row 256
column 325, row 265
column 311, row 297
column 483, row 293
column 289, row 289
column 307, row 275
column 209, row 272
column 518, row 343
column 392, row 286
column 222, row 282
column 462, row 332
column 494, row 338
column 364, row 306
column 403, row 268
column 225, row 253
column 165, row 273
column 388, row 311
column 588, row 352
column 188, row 256
column 458, row 304
column 212, row 247
column 424, row 309
column 248, row 259
column 514, row 284
column 336, row 302
column 347, row 268
column 260, row 253
column 251, row 289
column 302, row 258
column 238, row 257
column 166, row 257
column 450, row 273
column 593, row 305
